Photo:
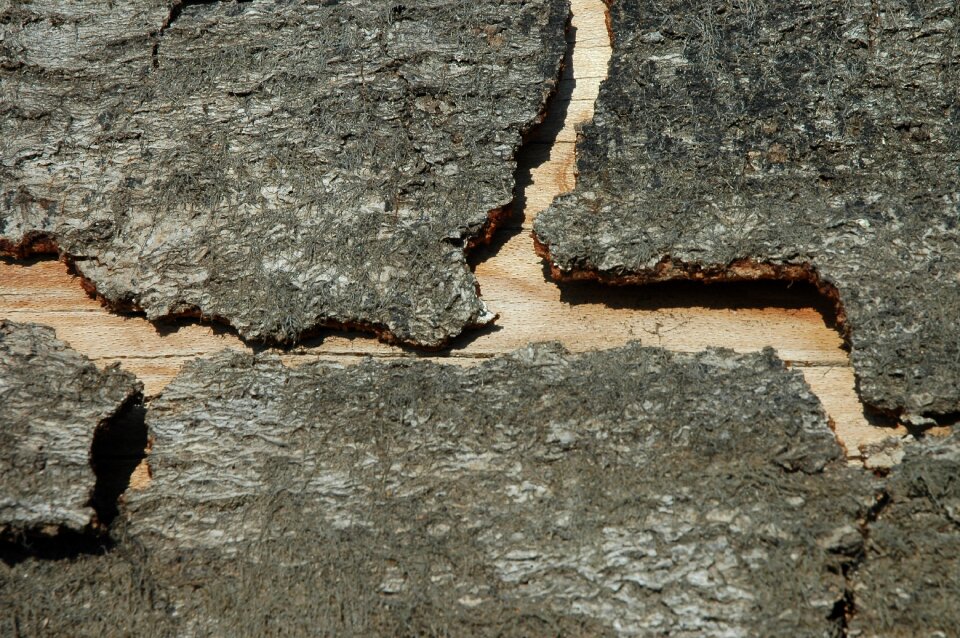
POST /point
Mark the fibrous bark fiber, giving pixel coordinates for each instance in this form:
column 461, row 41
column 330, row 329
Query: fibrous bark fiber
column 909, row 582
column 805, row 140
column 275, row 165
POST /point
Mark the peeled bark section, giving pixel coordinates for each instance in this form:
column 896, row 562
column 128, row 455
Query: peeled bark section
column 275, row 165
column 52, row 401
column 816, row 141
column 628, row 491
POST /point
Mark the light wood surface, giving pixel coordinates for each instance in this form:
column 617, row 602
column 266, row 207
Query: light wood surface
column 513, row 282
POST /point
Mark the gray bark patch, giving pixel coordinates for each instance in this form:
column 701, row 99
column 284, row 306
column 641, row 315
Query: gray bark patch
column 633, row 490
column 816, row 140
column 909, row 582
column 275, row 165
column 86, row 596
column 52, row 400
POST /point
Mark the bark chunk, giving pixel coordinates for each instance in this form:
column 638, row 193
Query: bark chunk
column 276, row 165
column 816, row 140
column 909, row 582
column 52, row 399
column 628, row 491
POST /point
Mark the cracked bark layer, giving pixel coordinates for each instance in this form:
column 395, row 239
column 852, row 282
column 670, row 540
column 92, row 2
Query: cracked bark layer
column 633, row 490
column 52, row 400
column 816, row 140
column 909, row 581
column 275, row 165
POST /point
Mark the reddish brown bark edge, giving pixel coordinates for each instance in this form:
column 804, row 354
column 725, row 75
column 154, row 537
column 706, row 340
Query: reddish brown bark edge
column 669, row 269
column 35, row 244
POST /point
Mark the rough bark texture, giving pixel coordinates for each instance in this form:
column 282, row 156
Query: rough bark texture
column 785, row 139
column 541, row 493
column 52, row 399
column 909, row 583
column 88, row 596
column 275, row 165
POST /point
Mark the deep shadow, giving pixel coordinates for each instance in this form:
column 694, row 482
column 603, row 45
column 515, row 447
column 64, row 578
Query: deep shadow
column 743, row 295
column 59, row 545
column 534, row 151
column 119, row 445
column 166, row 326
column 29, row 260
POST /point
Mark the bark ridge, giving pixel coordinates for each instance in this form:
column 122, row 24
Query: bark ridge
column 634, row 490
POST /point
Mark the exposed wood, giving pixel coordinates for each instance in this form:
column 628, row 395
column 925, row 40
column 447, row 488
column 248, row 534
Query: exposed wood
column 789, row 141
column 513, row 284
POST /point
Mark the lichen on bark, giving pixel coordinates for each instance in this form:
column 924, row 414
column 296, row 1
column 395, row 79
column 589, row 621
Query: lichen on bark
column 275, row 165
column 816, row 140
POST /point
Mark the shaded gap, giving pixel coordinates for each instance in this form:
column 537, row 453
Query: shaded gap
column 119, row 445
column 676, row 294
column 59, row 544
column 846, row 608
column 741, row 270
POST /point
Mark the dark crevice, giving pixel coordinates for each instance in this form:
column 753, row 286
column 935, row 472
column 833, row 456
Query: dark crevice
column 59, row 544
column 846, row 607
column 176, row 9
column 119, row 445
column 930, row 421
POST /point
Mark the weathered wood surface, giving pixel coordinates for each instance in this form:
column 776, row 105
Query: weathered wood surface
column 277, row 166
column 539, row 493
column 816, row 140
column 513, row 284
column 52, row 400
